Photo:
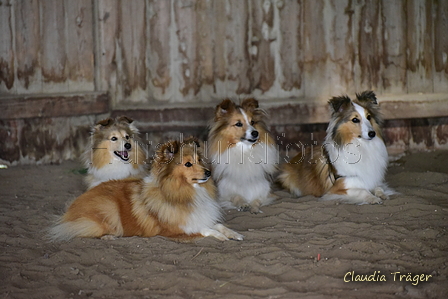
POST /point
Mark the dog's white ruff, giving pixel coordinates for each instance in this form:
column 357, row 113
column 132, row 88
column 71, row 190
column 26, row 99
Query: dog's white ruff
column 244, row 171
column 204, row 217
column 117, row 170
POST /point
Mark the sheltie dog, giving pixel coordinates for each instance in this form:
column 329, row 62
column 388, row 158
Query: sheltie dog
column 351, row 165
column 177, row 200
column 115, row 152
column 244, row 155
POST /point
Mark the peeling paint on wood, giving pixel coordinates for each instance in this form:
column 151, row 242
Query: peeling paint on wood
column 370, row 46
column 441, row 47
column 27, row 46
column 420, row 54
column 262, row 36
column 291, row 46
column 6, row 47
column 159, row 43
column 44, row 140
column 80, row 47
column 53, row 106
column 393, row 36
column 165, row 51
column 53, row 46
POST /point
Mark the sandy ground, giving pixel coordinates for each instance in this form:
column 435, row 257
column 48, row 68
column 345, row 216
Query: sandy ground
column 296, row 248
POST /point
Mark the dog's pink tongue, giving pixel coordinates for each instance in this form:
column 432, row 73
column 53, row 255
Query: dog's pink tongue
column 125, row 154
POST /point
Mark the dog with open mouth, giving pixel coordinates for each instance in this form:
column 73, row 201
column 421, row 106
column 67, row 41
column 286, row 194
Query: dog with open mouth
column 115, row 152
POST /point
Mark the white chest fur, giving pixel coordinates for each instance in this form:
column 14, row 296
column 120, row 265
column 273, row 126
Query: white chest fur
column 206, row 212
column 244, row 170
column 363, row 159
column 113, row 171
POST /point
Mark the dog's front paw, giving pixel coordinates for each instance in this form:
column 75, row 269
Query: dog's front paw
column 255, row 207
column 228, row 233
column 373, row 200
column 255, row 210
column 233, row 235
column 108, row 237
column 249, row 208
column 245, row 208
column 379, row 192
column 240, row 204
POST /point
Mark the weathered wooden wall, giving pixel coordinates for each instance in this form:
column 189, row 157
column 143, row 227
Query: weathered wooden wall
column 157, row 55
column 170, row 51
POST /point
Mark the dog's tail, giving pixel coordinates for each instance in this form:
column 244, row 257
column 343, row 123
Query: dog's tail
column 82, row 227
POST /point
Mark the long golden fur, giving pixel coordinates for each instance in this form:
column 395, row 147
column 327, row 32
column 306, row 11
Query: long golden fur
column 177, row 200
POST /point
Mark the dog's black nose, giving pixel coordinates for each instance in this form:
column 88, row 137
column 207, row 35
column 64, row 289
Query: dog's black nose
column 127, row 145
column 254, row 134
column 372, row 134
column 208, row 173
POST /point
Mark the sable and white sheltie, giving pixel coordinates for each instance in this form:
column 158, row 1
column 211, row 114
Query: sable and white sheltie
column 351, row 165
column 244, row 155
column 115, row 152
column 177, row 200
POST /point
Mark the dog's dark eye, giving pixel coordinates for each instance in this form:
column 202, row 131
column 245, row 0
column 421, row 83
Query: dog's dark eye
column 239, row 124
column 114, row 138
column 127, row 137
column 188, row 164
column 252, row 123
column 368, row 117
column 355, row 120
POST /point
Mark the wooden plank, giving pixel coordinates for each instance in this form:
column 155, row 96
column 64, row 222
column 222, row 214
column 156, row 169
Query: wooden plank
column 53, row 105
column 261, row 58
column 231, row 49
column 369, row 47
column 339, row 22
column 80, row 47
column 315, row 51
column 291, row 46
column 159, row 53
column 108, row 30
column 53, row 46
column 392, row 107
column 419, row 46
column 219, row 50
column 204, row 50
column 441, row 46
column 186, row 34
column 131, row 51
column 6, row 49
column 27, row 45
column 394, row 46
column 289, row 112
column 414, row 106
column 169, row 116
column 236, row 52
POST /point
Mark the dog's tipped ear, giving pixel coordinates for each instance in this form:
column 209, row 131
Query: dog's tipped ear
column 104, row 123
column 368, row 96
column 224, row 108
column 192, row 139
column 124, row 119
column 127, row 121
column 250, row 104
column 339, row 104
column 166, row 152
